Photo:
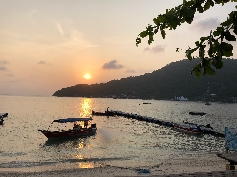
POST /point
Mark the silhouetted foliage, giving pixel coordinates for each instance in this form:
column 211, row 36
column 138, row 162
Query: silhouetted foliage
column 218, row 42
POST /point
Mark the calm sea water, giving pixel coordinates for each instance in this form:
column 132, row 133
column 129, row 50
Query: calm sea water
column 118, row 142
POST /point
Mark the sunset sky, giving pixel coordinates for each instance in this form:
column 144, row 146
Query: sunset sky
column 47, row 45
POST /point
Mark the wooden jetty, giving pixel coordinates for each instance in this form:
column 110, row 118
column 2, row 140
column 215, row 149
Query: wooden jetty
column 151, row 120
column 106, row 113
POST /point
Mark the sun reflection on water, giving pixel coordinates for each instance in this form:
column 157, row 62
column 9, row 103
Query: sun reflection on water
column 86, row 165
column 80, row 145
column 85, row 107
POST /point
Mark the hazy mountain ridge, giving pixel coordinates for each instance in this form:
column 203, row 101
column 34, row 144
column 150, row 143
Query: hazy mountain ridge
column 166, row 83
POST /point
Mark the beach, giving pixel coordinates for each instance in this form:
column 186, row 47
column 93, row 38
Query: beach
column 215, row 166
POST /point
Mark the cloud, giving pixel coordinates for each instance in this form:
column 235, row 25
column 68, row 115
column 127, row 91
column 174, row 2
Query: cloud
column 206, row 25
column 2, row 68
column 3, row 62
column 43, row 63
column 60, row 29
column 112, row 65
column 156, row 49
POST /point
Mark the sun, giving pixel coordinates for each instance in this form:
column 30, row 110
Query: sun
column 87, row 76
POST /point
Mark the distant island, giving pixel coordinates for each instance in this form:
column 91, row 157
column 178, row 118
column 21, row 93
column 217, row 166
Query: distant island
column 172, row 81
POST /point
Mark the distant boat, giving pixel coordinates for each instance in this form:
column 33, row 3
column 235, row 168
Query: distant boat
column 188, row 128
column 208, row 103
column 197, row 113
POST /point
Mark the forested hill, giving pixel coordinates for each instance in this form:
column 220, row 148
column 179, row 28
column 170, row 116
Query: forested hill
column 166, row 83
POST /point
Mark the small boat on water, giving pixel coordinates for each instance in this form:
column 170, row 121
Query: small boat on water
column 2, row 116
column 197, row 113
column 188, row 127
column 146, row 103
column 208, row 103
column 82, row 127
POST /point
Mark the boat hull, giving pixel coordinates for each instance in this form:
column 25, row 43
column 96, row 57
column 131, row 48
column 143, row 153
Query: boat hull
column 197, row 113
column 187, row 128
column 69, row 133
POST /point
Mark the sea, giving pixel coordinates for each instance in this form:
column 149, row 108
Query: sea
column 119, row 141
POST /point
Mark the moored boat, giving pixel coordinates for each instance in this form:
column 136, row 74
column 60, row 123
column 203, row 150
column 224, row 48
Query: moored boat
column 2, row 116
column 188, row 127
column 207, row 129
column 82, row 127
column 197, row 113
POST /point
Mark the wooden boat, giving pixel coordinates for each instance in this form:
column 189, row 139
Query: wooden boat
column 197, row 113
column 188, row 127
column 82, row 127
column 207, row 129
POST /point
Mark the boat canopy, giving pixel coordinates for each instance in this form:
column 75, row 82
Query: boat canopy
column 72, row 120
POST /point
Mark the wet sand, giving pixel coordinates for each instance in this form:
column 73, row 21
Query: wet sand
column 215, row 165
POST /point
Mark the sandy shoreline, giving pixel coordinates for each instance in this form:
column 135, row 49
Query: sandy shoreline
column 167, row 168
column 105, row 172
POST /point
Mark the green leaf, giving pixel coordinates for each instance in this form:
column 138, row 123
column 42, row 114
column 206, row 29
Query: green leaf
column 149, row 28
column 227, row 22
column 150, row 38
column 163, row 33
column 188, row 12
column 220, row 29
column 205, row 62
column 200, row 9
column 229, row 37
column 218, row 1
column 197, row 71
column 226, row 49
column 143, row 34
column 212, row 3
column 235, row 29
column 219, row 64
column 207, row 5
column 210, row 71
column 216, row 33
column 203, row 39
column 197, row 43
column 156, row 21
column 138, row 41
